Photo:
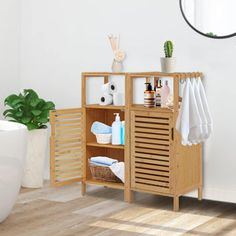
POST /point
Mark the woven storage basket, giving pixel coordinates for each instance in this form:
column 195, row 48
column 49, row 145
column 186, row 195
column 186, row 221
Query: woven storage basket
column 103, row 173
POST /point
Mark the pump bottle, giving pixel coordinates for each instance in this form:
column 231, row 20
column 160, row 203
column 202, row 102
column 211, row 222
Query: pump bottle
column 116, row 130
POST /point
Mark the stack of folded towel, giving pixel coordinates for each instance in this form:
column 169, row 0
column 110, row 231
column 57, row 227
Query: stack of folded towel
column 102, row 161
column 100, row 128
column 116, row 167
column 194, row 121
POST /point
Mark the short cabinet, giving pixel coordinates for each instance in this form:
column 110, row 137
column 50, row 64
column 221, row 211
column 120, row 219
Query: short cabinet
column 155, row 161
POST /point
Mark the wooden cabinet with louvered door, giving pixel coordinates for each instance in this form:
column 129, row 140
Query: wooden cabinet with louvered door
column 151, row 143
column 67, row 146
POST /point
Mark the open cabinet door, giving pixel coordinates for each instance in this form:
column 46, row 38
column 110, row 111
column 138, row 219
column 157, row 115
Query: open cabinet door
column 66, row 146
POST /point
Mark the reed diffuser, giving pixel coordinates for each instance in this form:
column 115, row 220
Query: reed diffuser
column 119, row 55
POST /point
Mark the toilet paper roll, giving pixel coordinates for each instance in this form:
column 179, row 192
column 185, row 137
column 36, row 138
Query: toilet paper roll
column 106, row 99
column 109, row 88
column 118, row 99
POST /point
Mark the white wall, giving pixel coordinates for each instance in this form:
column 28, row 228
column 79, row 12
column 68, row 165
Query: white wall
column 9, row 48
column 62, row 38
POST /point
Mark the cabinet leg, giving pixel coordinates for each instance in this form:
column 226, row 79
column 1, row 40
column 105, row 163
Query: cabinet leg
column 200, row 193
column 83, row 188
column 176, row 203
column 128, row 196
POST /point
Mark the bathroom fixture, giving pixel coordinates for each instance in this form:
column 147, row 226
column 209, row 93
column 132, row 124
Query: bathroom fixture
column 13, row 138
column 211, row 18
column 154, row 159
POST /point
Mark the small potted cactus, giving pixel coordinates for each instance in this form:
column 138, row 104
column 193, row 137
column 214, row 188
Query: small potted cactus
column 168, row 62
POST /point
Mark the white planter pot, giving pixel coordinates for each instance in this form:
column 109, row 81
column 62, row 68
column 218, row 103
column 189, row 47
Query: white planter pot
column 168, row 64
column 35, row 158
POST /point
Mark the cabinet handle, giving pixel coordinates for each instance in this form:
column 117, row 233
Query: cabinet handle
column 172, row 134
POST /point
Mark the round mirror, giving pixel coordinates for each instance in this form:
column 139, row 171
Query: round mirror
column 211, row 18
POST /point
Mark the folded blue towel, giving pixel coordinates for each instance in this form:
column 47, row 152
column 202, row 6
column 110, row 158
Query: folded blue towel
column 103, row 160
column 98, row 164
column 100, row 128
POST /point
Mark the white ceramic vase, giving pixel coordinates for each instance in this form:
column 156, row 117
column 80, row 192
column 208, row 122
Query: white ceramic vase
column 117, row 66
column 168, row 64
column 35, row 158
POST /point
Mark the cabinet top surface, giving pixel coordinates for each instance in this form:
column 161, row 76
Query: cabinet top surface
column 181, row 75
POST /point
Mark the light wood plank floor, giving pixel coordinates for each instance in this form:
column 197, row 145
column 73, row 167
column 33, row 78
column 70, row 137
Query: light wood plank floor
column 102, row 212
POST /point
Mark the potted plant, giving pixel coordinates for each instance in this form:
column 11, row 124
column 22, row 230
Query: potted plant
column 29, row 109
column 168, row 62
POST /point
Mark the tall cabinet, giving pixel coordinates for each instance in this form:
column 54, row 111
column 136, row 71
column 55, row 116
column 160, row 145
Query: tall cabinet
column 155, row 161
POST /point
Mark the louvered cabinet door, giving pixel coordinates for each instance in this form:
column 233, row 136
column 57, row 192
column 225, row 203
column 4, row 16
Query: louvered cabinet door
column 66, row 149
column 151, row 136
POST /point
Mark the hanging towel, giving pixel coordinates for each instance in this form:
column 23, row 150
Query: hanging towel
column 204, row 128
column 118, row 170
column 205, row 108
column 182, row 123
column 189, row 120
column 102, row 160
column 195, row 130
column 100, row 128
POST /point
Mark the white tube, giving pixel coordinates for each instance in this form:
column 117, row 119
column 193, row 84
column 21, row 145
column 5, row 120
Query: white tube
column 106, row 99
column 109, row 88
column 118, row 99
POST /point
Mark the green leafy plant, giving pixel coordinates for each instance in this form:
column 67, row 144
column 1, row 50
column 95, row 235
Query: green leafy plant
column 28, row 109
column 168, row 48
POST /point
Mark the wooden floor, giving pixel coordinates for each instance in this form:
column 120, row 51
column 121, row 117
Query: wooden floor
column 102, row 212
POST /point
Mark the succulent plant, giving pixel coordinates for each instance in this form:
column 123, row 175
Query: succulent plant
column 168, row 48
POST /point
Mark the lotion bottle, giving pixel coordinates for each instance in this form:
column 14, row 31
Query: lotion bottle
column 122, row 132
column 149, row 96
column 116, row 130
column 158, row 93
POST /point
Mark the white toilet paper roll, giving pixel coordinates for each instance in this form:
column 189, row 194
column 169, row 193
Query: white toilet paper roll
column 118, row 99
column 106, row 99
column 109, row 88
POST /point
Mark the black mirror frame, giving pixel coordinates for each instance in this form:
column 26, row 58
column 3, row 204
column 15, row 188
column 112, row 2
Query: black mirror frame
column 208, row 36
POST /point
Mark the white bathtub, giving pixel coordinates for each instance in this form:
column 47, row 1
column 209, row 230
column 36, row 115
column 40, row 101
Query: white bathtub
column 12, row 153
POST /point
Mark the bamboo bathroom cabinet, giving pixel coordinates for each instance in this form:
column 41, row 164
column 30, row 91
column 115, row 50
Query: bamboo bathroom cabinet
column 155, row 161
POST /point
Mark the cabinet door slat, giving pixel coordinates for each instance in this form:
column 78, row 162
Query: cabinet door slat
column 66, row 150
column 150, row 151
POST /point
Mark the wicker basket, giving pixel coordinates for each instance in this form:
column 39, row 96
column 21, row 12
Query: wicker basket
column 103, row 138
column 103, row 173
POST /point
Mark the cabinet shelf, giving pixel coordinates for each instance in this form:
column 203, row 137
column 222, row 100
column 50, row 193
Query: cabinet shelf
column 105, row 183
column 141, row 107
column 94, row 144
column 107, row 107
